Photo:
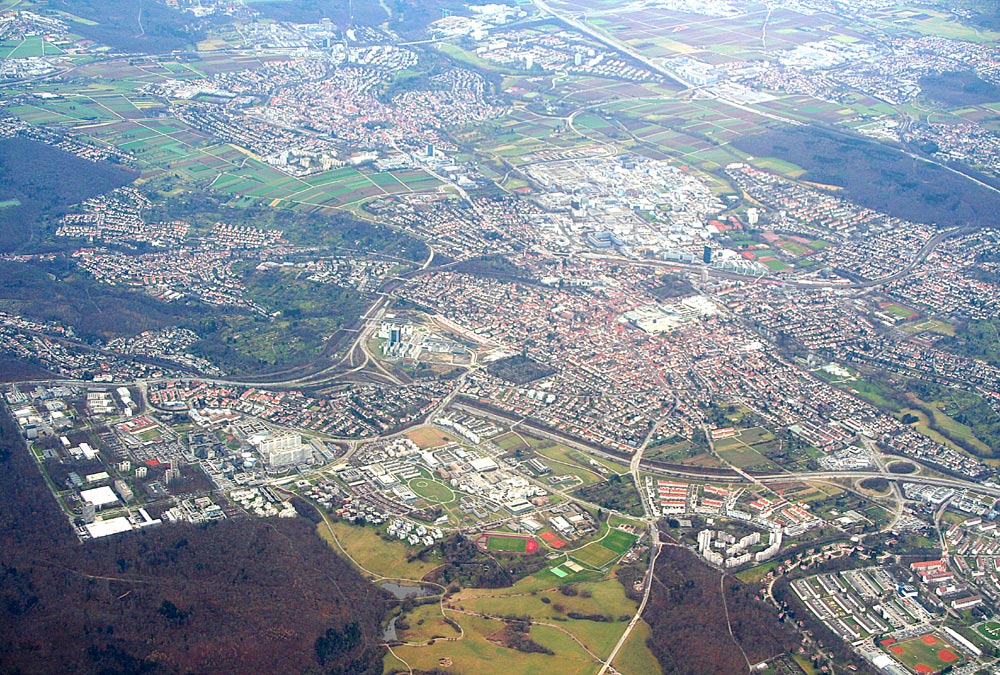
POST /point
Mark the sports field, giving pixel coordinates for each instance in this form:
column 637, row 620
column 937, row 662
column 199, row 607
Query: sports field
column 618, row 541
column 990, row 630
column 924, row 655
column 432, row 490
column 507, row 543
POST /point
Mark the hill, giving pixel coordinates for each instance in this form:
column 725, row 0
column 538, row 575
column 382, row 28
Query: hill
column 42, row 181
column 878, row 176
column 690, row 612
column 242, row 596
column 132, row 26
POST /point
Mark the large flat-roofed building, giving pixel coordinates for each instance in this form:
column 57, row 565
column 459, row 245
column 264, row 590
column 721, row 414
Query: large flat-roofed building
column 99, row 497
column 482, row 464
column 283, row 449
column 106, row 528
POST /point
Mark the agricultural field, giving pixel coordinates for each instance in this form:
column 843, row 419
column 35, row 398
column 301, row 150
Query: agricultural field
column 743, row 455
column 682, row 452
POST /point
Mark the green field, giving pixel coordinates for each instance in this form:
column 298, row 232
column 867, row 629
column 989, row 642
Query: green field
column 605, row 598
column 510, row 544
column 377, row 556
column 990, row 630
column 927, row 654
column 563, row 460
column 432, row 490
column 595, row 555
column 899, row 310
column 618, row 541
column 741, row 455
column 754, row 575
column 474, row 653
column 635, row 658
column 426, row 622
column 930, row 326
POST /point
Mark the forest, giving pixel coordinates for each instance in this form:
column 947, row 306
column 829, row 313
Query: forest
column 241, row 596
column 878, row 176
column 136, row 26
column 960, row 88
column 690, row 611
column 519, row 369
column 40, row 182
column 236, row 339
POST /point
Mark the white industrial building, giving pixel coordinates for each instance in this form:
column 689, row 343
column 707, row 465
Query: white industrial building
column 99, row 497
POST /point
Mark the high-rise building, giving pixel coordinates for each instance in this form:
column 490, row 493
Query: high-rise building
column 172, row 475
column 283, row 449
column 706, row 255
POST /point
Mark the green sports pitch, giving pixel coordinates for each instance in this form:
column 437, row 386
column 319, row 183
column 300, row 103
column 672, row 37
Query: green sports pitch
column 925, row 655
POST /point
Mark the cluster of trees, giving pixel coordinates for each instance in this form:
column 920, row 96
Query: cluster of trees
column 465, row 565
column 496, row 266
column 516, row 635
column 673, row 285
column 341, row 656
column 519, row 369
column 237, row 597
column 616, row 493
column 690, row 612
column 363, row 12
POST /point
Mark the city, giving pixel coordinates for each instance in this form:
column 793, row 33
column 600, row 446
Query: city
column 611, row 337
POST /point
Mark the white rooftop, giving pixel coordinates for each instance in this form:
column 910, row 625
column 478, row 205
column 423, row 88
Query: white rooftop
column 483, row 464
column 101, row 496
column 103, row 528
